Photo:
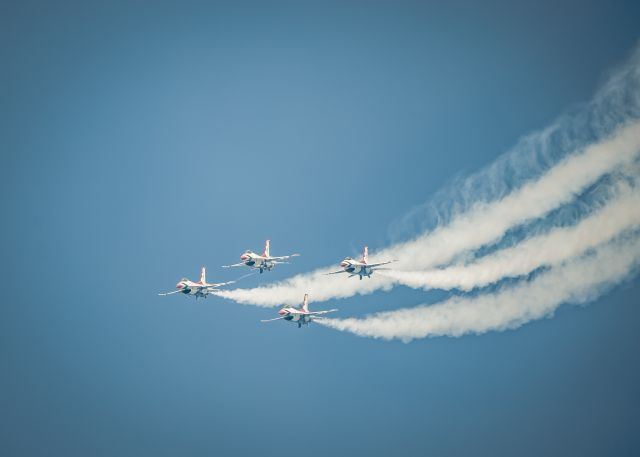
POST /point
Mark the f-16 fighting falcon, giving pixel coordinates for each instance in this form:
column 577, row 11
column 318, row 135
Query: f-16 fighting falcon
column 260, row 262
column 200, row 289
column 300, row 315
column 360, row 267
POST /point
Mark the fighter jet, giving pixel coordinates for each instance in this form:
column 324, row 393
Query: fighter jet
column 200, row 289
column 300, row 315
column 260, row 262
column 360, row 267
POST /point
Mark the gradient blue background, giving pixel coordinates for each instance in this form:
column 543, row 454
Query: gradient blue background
column 141, row 140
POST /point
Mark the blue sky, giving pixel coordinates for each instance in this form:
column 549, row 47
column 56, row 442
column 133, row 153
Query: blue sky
column 141, row 141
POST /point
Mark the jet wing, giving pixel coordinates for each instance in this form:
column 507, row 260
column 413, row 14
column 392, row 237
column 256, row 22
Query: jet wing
column 170, row 293
column 271, row 320
column 373, row 265
column 336, row 272
column 318, row 313
column 282, row 257
column 241, row 264
column 220, row 284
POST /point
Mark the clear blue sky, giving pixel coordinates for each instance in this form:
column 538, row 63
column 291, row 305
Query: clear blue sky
column 141, row 140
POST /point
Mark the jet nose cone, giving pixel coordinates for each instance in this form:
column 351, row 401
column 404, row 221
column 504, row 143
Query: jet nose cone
column 343, row 264
column 244, row 257
column 179, row 286
column 282, row 312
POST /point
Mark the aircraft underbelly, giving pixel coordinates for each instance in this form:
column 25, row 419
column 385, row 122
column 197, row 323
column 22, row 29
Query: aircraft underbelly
column 258, row 263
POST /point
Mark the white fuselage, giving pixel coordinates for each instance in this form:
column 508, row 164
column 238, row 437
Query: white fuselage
column 300, row 315
column 253, row 260
column 188, row 287
column 356, row 268
column 296, row 315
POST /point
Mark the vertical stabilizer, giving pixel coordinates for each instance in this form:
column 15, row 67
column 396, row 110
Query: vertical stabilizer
column 365, row 254
column 305, row 303
column 266, row 249
column 203, row 276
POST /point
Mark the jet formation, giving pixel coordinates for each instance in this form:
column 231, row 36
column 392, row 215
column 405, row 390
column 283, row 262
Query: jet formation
column 265, row 262
column 260, row 262
column 302, row 315
column 360, row 267
column 198, row 289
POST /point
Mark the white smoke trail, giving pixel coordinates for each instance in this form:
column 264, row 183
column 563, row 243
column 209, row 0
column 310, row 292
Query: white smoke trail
column 488, row 222
column 577, row 281
column 545, row 171
column 558, row 245
column 484, row 224
column 291, row 291
column 615, row 104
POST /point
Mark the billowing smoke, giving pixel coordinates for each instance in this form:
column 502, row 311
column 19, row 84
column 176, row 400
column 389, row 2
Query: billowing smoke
column 558, row 245
column 579, row 280
column 320, row 286
column 546, row 172
column 485, row 223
